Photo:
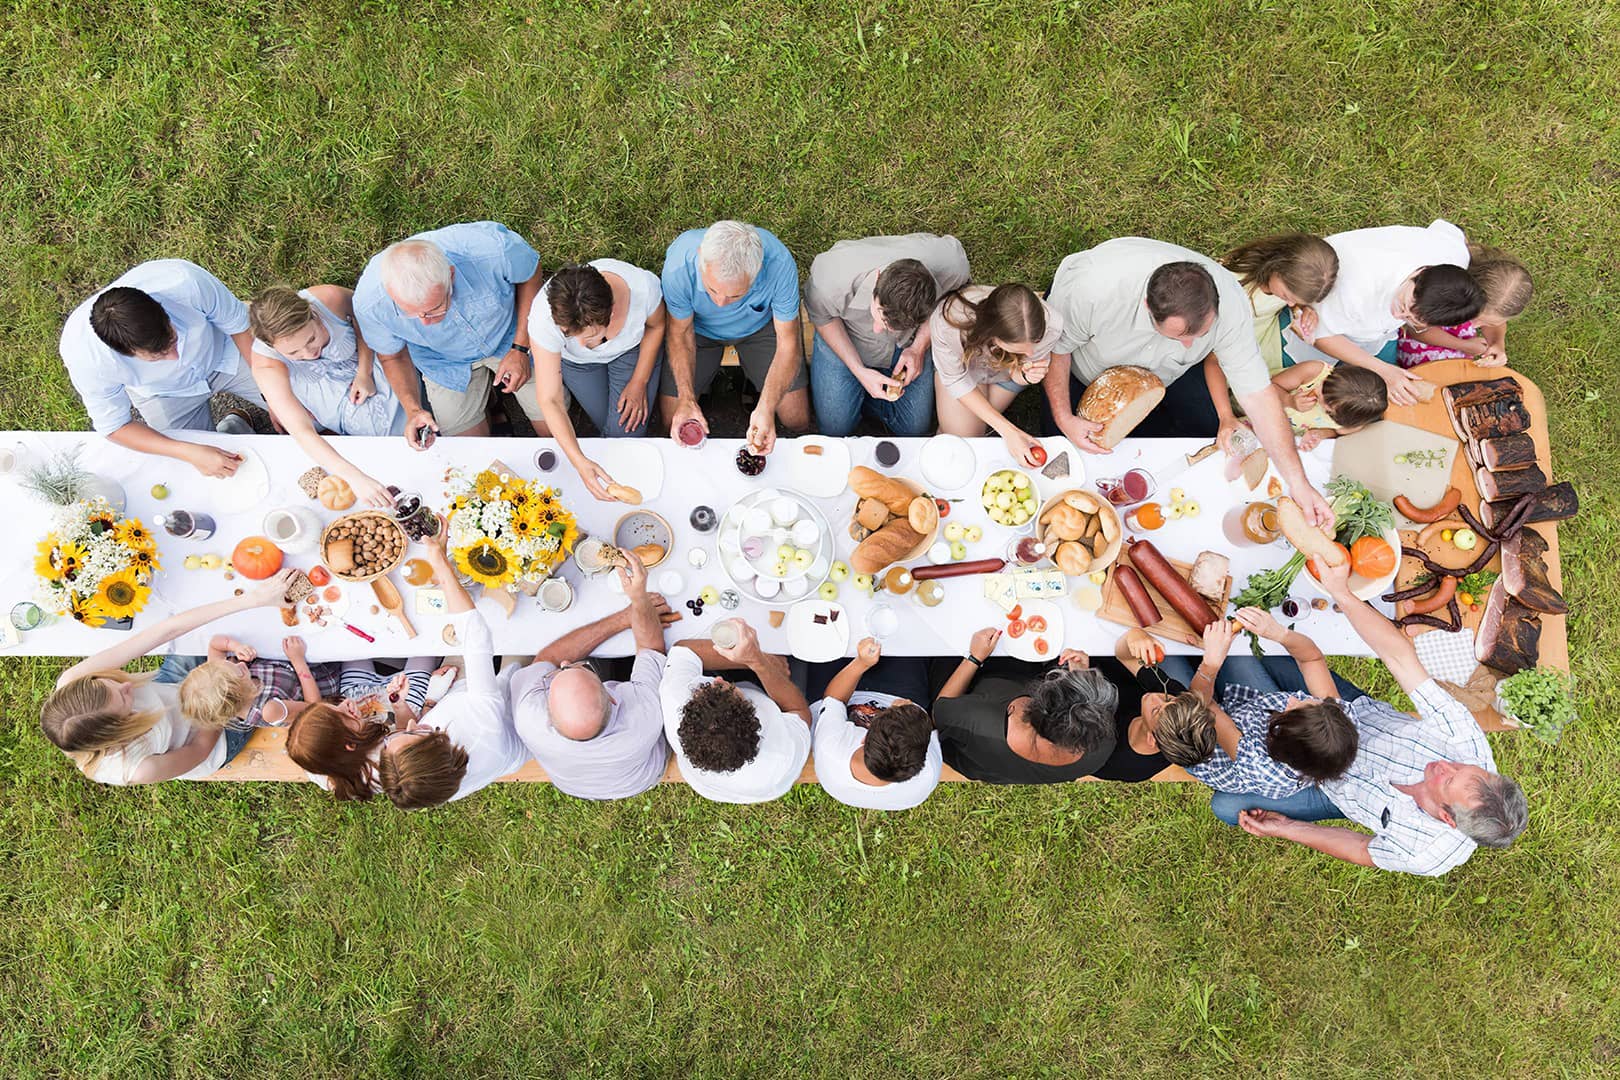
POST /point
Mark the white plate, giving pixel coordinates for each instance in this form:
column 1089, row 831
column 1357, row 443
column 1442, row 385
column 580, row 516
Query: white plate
column 633, row 462
column 948, row 463
column 1023, row 648
column 244, row 490
column 1048, row 486
column 813, row 642
column 824, row 475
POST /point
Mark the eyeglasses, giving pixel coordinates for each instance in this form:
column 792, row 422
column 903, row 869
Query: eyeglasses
column 567, row 665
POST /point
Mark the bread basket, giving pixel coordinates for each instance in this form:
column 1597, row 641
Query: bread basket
column 922, row 546
column 1105, row 509
column 385, row 523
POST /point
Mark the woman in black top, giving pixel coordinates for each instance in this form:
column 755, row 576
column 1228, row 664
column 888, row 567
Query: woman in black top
column 1159, row 722
column 1052, row 729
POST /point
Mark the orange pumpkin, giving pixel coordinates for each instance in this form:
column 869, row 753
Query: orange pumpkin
column 256, row 558
column 1372, row 557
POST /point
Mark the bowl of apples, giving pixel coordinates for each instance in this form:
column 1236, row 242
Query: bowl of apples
column 1009, row 497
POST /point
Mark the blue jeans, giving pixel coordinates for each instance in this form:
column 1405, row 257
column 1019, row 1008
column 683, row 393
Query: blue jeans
column 840, row 399
column 597, row 388
column 1306, row 804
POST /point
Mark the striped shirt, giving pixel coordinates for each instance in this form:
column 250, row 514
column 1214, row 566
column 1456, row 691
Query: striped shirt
column 1394, row 749
column 1253, row 771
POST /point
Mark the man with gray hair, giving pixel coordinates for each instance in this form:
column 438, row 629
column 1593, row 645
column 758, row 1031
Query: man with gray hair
column 595, row 739
column 1427, row 787
column 733, row 284
column 452, row 304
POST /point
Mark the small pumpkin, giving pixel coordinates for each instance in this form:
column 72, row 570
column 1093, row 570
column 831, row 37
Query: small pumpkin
column 335, row 493
column 256, row 558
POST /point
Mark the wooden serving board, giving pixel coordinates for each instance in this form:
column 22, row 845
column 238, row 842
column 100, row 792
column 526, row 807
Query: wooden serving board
column 1172, row 627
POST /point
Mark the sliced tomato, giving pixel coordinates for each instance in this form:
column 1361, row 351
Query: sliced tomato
column 1016, row 613
column 1041, row 647
column 1037, row 623
column 1016, row 628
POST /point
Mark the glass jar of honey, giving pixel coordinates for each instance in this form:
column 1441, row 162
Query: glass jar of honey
column 897, row 580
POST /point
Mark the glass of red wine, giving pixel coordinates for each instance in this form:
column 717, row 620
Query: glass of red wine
column 1128, row 490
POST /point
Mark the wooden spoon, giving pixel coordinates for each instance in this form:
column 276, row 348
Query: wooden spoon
column 388, row 596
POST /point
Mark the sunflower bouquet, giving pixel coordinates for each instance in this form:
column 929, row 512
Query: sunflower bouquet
column 93, row 565
column 506, row 532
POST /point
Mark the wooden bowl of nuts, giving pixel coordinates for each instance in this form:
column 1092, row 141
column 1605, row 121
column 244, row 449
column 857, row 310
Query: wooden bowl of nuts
column 360, row 547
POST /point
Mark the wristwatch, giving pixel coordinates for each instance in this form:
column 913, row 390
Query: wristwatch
column 524, row 349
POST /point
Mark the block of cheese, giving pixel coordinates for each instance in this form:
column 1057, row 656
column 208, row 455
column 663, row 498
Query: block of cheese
column 999, row 590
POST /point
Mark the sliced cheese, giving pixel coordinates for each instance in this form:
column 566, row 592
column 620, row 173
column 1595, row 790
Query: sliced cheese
column 999, row 590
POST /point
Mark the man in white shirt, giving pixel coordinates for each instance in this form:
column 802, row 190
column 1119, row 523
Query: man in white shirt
column 1388, row 277
column 876, row 750
column 1428, row 788
column 595, row 739
column 165, row 338
column 1144, row 303
column 734, row 742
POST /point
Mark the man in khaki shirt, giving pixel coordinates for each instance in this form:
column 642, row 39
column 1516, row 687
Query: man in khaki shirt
column 1146, row 303
column 869, row 301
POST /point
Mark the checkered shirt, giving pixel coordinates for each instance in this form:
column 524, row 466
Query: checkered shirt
column 1253, row 771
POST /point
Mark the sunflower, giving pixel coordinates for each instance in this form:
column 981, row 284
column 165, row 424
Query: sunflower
column 59, row 561
column 488, row 563
column 87, row 609
column 134, row 535
column 523, row 527
column 145, row 564
column 121, row 595
column 487, row 486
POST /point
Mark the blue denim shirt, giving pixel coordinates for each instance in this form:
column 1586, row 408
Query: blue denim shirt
column 489, row 260
column 774, row 293
column 204, row 313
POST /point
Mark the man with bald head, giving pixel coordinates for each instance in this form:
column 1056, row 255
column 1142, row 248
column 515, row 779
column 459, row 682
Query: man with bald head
column 599, row 740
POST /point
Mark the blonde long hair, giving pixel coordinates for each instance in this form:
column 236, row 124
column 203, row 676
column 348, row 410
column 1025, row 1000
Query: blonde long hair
column 1307, row 264
column 80, row 719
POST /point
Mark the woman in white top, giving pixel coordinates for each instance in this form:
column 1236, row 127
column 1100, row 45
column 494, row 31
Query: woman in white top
column 874, row 750
column 989, row 345
column 598, row 331
column 122, row 728
column 316, row 371
column 468, row 740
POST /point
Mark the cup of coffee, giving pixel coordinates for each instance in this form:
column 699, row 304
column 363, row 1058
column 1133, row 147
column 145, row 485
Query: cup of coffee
column 556, row 595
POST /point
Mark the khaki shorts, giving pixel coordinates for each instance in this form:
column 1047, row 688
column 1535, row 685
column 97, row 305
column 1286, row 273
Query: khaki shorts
column 458, row 410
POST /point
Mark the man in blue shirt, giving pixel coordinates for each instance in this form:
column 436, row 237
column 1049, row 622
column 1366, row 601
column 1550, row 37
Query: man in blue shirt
column 452, row 304
column 733, row 284
column 164, row 338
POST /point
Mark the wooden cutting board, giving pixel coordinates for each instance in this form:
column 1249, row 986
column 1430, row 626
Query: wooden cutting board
column 1172, row 627
column 1369, row 456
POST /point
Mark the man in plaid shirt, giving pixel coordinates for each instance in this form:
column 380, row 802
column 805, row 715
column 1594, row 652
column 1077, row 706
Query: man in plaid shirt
column 1427, row 787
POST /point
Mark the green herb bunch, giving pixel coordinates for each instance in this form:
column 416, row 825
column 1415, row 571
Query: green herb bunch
column 1540, row 699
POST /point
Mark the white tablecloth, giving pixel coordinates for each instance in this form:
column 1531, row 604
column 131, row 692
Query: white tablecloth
column 707, row 476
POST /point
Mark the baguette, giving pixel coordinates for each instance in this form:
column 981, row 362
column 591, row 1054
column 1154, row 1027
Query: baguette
column 871, row 484
column 889, row 544
column 1313, row 542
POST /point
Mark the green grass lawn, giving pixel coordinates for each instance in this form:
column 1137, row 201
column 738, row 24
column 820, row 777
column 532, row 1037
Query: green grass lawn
column 212, row 930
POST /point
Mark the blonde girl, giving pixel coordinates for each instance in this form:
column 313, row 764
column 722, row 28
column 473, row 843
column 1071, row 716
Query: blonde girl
column 1507, row 287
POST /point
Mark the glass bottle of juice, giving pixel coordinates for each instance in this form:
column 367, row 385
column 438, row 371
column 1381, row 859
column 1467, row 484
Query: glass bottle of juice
column 897, row 580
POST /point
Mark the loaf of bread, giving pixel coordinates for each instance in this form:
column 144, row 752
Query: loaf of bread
column 871, row 484
column 872, row 514
column 624, row 493
column 889, row 544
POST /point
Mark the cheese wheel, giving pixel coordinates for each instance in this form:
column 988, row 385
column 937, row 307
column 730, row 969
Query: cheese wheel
column 1119, row 399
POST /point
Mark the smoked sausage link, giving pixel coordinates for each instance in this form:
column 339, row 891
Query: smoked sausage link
column 976, row 566
column 1136, row 595
column 1172, row 586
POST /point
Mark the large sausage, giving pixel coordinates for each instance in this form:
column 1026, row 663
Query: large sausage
column 1136, row 595
column 976, row 566
column 1426, row 514
column 1171, row 585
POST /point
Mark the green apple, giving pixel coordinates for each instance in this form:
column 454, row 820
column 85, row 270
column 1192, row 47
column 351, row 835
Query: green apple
column 709, row 594
column 1020, row 481
column 973, row 534
column 785, row 553
column 802, row 558
column 160, row 491
column 828, row 591
column 958, row 551
column 954, row 531
column 863, row 582
column 1020, row 516
column 1004, row 500
column 839, row 571
column 780, row 569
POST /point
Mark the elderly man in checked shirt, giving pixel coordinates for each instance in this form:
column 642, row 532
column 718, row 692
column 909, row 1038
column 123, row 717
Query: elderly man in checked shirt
column 1427, row 787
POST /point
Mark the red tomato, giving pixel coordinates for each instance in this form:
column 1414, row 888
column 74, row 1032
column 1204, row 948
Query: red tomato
column 944, row 507
column 1037, row 454
column 1016, row 628
column 1158, row 654
column 1016, row 613
column 1041, row 647
column 1037, row 623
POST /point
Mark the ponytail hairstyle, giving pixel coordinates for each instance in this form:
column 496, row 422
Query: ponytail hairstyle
column 1010, row 312
column 1307, row 264
column 81, row 719
column 426, row 771
column 320, row 742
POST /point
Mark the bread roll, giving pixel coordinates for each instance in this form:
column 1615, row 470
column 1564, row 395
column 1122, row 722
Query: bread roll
column 923, row 515
column 889, row 544
column 1072, row 558
column 624, row 493
column 872, row 514
column 335, row 493
column 870, row 484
